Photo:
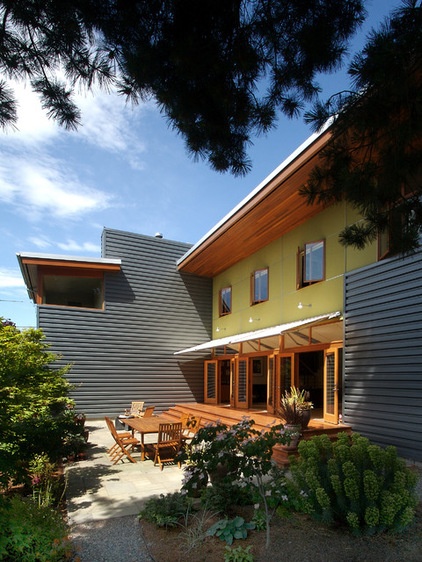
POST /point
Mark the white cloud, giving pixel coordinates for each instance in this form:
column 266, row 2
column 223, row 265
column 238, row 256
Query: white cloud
column 73, row 246
column 45, row 186
column 10, row 278
column 107, row 122
column 40, row 241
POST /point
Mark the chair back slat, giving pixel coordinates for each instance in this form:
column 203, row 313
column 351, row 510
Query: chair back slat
column 149, row 410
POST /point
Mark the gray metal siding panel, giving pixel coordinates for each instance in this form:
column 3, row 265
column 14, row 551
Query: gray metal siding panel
column 383, row 353
column 126, row 352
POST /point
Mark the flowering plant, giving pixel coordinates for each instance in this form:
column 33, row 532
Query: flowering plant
column 244, row 452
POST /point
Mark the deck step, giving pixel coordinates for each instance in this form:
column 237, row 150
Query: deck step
column 262, row 420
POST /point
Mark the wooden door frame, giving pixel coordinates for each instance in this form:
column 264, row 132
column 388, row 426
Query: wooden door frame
column 208, row 363
column 331, row 414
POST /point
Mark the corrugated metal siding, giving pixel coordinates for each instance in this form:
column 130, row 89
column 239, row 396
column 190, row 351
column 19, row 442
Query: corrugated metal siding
column 126, row 352
column 383, row 353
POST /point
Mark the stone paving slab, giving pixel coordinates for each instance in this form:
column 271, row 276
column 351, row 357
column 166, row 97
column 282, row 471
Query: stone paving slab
column 97, row 489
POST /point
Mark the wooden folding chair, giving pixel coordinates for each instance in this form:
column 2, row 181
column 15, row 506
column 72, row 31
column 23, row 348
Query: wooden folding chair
column 168, row 444
column 122, row 434
column 123, row 444
column 149, row 410
column 190, row 425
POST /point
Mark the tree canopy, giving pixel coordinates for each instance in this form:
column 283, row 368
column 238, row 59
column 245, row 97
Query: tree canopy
column 374, row 157
column 220, row 70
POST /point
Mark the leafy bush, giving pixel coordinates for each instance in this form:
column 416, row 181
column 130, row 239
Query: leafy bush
column 223, row 497
column 238, row 554
column 354, row 482
column 230, row 529
column 32, row 533
column 34, row 400
column 166, row 510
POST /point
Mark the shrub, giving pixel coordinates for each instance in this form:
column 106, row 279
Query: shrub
column 223, row 497
column 33, row 402
column 32, row 533
column 230, row 529
column 354, row 482
column 238, row 554
column 166, row 510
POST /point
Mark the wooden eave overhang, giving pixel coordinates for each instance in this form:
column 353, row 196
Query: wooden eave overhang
column 270, row 211
column 32, row 264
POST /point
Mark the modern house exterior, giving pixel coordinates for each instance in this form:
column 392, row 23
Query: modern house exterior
column 291, row 305
column 267, row 299
column 118, row 319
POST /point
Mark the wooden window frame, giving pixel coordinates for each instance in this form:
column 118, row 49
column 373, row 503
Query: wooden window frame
column 301, row 265
column 221, row 302
column 253, row 285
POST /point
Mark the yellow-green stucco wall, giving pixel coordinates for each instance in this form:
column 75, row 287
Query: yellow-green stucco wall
column 281, row 257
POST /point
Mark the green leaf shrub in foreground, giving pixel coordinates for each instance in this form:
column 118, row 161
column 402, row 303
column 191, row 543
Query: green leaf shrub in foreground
column 166, row 510
column 354, row 482
column 230, row 529
column 32, row 533
column 238, row 554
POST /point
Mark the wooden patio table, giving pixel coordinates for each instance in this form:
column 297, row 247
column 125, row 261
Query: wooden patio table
column 145, row 426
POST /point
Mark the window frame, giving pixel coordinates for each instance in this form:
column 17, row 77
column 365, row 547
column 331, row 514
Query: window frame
column 68, row 274
column 221, row 301
column 254, row 278
column 302, row 264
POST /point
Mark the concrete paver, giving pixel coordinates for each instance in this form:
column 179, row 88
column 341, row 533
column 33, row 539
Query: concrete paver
column 97, row 489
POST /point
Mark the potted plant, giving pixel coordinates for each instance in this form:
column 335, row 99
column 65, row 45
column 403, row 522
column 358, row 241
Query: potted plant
column 295, row 410
column 303, row 404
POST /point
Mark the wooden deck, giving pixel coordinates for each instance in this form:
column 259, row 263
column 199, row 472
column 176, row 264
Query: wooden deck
column 262, row 420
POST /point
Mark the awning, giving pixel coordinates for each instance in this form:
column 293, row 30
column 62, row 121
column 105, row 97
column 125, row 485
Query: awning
column 259, row 334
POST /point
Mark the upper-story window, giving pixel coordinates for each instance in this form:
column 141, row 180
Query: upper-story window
column 225, row 301
column 259, row 286
column 311, row 264
column 67, row 290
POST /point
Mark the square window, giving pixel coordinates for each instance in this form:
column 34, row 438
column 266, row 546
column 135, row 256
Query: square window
column 225, row 301
column 259, row 286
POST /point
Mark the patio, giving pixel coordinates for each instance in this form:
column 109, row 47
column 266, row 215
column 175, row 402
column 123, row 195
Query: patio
column 98, row 490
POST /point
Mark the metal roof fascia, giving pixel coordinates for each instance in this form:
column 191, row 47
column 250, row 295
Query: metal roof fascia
column 259, row 334
column 58, row 257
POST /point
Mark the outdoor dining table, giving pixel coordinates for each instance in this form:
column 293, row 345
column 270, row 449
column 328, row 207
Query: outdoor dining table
column 145, row 426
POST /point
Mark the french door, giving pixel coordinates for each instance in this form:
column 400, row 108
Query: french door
column 211, row 390
column 332, row 383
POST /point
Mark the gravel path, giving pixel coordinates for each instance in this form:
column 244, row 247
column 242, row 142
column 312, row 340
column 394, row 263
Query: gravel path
column 111, row 540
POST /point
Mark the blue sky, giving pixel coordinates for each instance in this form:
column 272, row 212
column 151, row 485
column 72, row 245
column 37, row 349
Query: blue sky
column 124, row 169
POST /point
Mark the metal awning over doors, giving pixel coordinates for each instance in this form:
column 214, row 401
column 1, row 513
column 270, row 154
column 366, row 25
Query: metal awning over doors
column 260, row 334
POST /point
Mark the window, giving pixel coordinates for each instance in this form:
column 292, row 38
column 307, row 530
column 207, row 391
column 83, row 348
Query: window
column 259, row 286
column 86, row 292
column 311, row 264
column 225, row 301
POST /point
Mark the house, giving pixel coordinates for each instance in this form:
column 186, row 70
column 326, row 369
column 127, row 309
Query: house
column 291, row 305
column 118, row 319
column 268, row 298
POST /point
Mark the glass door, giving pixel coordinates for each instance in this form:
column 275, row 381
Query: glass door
column 332, row 384
column 210, row 382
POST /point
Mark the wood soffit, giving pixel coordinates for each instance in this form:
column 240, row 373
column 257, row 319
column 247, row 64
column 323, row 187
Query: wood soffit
column 273, row 211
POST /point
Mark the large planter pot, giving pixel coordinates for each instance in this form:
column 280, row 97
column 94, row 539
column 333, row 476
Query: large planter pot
column 306, row 418
column 294, row 431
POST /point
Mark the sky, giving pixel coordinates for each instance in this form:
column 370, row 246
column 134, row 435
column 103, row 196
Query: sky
column 124, row 169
